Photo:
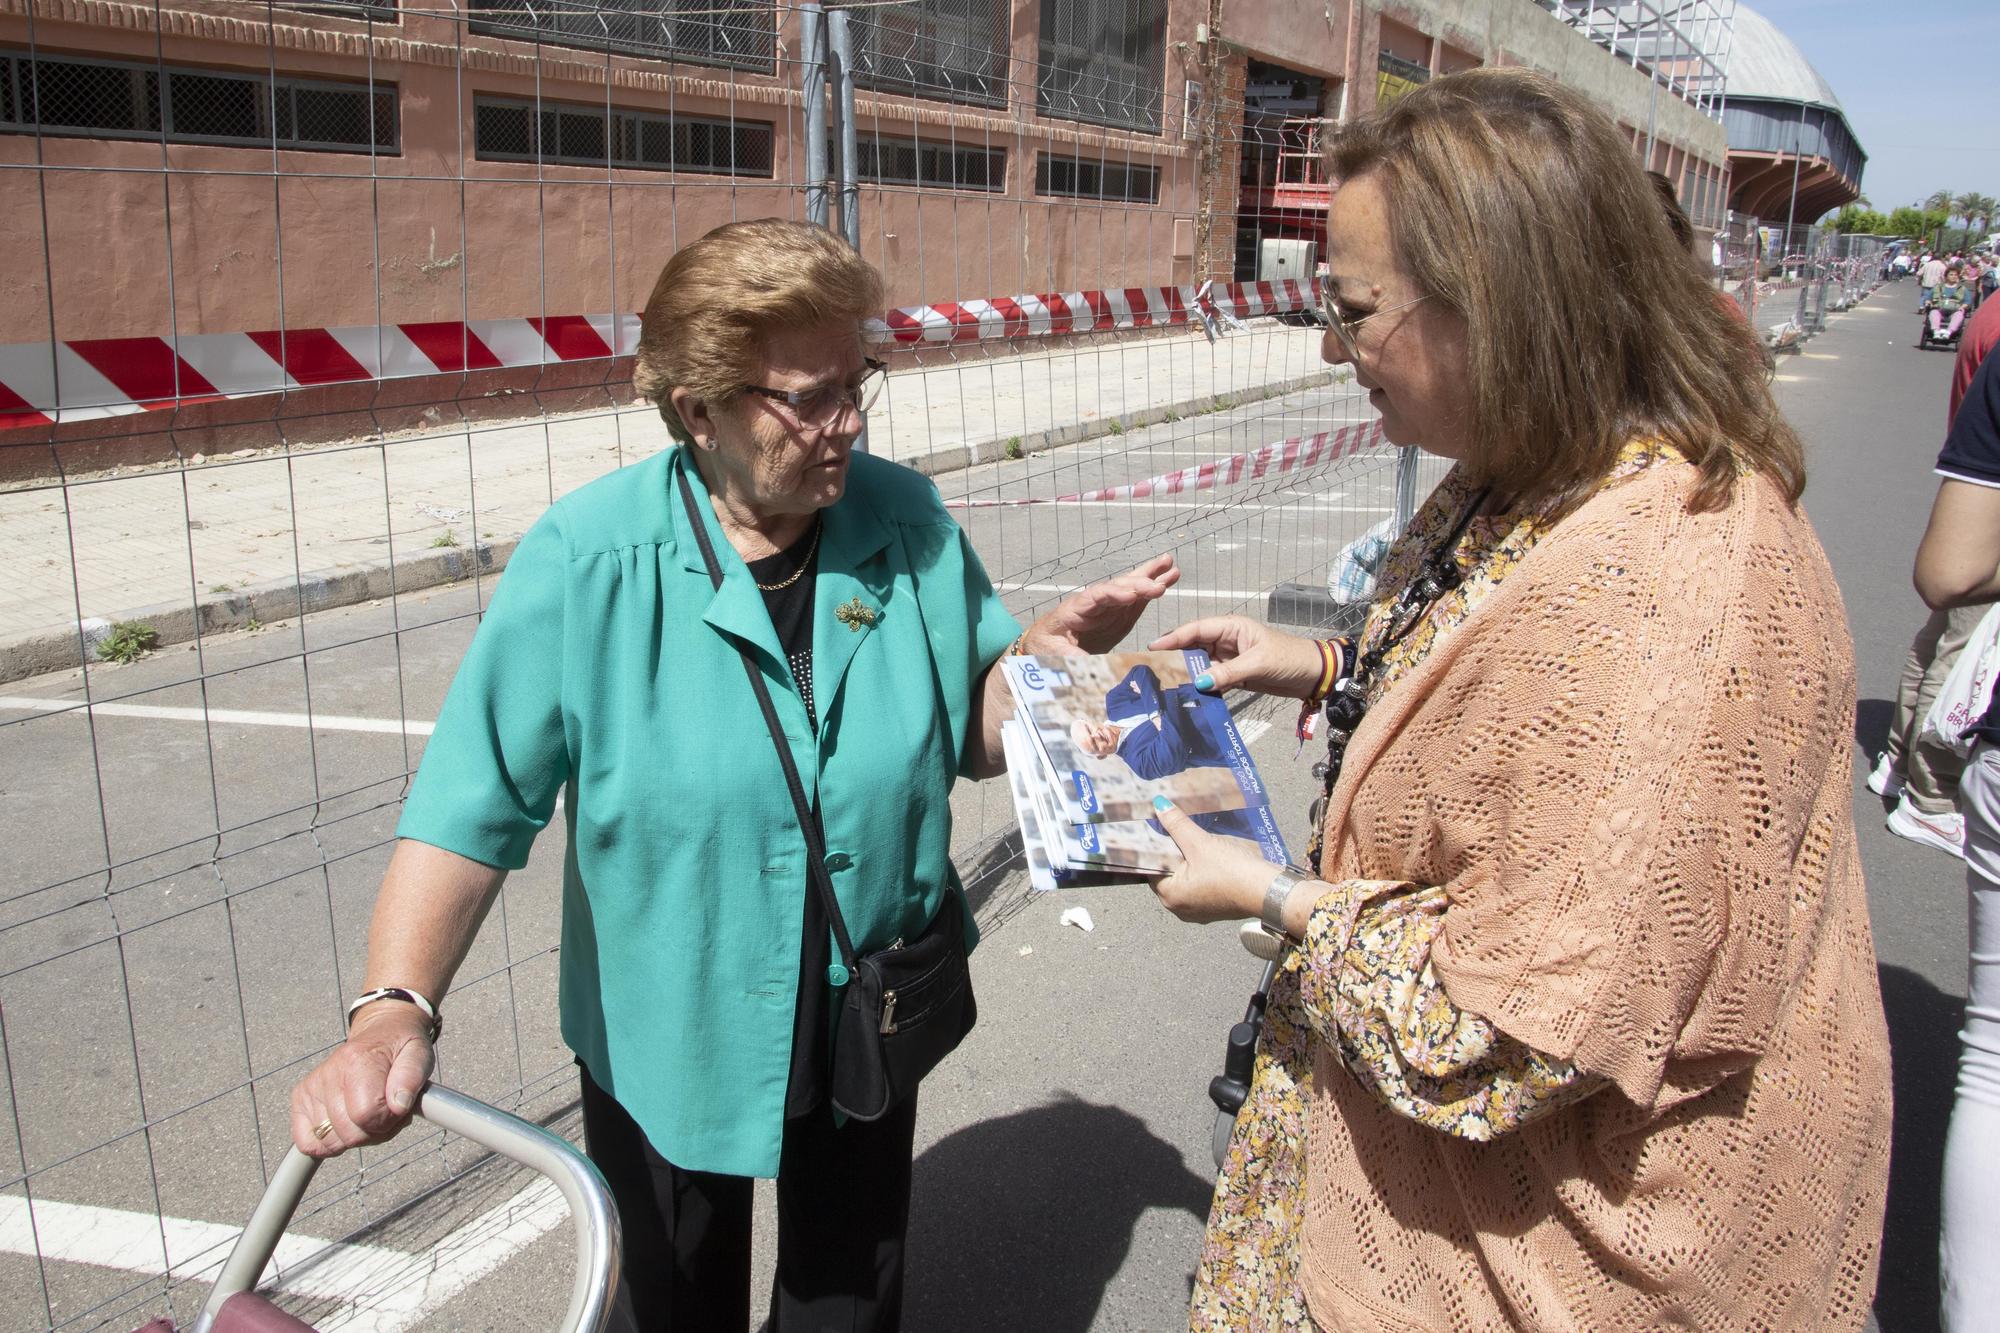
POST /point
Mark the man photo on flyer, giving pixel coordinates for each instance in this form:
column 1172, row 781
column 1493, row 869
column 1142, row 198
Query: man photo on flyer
column 1157, row 731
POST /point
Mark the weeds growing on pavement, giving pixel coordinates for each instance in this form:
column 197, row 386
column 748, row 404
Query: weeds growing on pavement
column 445, row 538
column 128, row 641
column 1013, row 446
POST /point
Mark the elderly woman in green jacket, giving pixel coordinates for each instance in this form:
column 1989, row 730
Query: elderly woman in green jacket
column 698, row 980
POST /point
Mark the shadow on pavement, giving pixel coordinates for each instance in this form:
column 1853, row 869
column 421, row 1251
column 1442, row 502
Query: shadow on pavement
column 1023, row 1221
column 1923, row 1041
column 1871, row 729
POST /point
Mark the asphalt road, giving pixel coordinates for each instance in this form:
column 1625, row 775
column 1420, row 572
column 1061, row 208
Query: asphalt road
column 1064, row 1167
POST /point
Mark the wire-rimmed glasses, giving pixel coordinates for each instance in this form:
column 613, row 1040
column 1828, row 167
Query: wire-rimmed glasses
column 1343, row 324
column 817, row 409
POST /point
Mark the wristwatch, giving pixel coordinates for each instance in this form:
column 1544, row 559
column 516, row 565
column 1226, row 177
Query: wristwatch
column 1277, row 893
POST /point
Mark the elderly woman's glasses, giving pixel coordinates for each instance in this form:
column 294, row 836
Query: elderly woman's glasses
column 1344, row 324
column 816, row 409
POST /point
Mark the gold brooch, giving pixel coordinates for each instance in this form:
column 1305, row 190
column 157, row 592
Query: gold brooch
column 854, row 613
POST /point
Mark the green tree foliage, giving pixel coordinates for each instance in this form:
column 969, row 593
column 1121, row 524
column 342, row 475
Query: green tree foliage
column 1855, row 218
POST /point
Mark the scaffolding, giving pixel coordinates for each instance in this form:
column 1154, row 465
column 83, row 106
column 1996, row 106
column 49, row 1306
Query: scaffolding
column 1683, row 45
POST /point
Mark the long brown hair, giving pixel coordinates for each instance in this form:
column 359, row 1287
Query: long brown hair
column 1519, row 205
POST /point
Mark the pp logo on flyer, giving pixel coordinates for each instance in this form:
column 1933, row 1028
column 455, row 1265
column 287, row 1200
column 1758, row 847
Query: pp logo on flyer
column 1086, row 791
column 1086, row 836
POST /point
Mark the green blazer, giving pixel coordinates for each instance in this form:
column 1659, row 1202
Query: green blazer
column 606, row 669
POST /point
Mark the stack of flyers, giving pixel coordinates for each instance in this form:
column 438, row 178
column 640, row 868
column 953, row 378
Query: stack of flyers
column 1095, row 739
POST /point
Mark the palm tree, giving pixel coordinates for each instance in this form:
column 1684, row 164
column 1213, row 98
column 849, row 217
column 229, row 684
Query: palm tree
column 1966, row 206
column 1939, row 202
column 1987, row 205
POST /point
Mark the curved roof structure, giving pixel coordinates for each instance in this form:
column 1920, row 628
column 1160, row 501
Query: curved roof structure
column 1792, row 154
column 1764, row 63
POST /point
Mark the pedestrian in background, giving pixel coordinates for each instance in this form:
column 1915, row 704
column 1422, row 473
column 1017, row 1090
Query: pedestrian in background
column 1958, row 570
column 1919, row 776
column 1579, row 1025
column 699, row 985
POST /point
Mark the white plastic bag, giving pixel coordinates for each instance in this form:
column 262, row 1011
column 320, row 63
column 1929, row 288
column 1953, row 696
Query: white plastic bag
column 1963, row 698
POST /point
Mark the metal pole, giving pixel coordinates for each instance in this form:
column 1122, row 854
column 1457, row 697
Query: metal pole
column 812, row 72
column 1406, row 487
column 840, row 61
column 840, row 73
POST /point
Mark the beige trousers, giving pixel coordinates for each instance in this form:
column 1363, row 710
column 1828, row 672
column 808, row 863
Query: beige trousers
column 1930, row 773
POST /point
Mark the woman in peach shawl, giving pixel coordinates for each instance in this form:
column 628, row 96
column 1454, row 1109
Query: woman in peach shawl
column 1578, row 1026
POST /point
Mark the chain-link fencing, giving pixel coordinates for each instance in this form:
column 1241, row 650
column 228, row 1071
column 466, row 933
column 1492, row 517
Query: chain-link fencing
column 313, row 308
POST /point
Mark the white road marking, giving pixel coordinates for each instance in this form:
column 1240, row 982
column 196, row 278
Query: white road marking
column 236, row 716
column 1252, row 732
column 1217, row 505
column 1211, row 594
column 402, row 1291
column 147, row 1243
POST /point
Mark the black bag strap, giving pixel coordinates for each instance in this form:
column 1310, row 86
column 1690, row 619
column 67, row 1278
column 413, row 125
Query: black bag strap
column 815, row 848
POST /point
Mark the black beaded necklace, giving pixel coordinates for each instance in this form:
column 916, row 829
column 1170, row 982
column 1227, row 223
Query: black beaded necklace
column 1348, row 703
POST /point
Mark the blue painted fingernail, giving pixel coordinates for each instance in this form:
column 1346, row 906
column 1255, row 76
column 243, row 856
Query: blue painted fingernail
column 1162, row 803
column 1204, row 682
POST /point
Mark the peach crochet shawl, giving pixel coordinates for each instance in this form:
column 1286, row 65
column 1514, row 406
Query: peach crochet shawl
column 1631, row 768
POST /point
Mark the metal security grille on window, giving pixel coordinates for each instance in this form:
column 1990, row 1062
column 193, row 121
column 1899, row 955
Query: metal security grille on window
column 1088, row 178
column 740, row 34
column 111, row 100
column 890, row 162
column 1102, row 62
column 954, row 50
column 507, row 131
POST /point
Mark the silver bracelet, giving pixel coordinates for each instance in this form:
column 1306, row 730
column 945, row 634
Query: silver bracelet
column 1277, row 893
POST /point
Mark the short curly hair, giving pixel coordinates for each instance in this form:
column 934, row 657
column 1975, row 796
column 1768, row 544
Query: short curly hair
column 719, row 296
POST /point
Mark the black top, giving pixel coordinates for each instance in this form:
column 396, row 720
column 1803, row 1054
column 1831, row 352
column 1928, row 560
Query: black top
column 1972, row 454
column 791, row 610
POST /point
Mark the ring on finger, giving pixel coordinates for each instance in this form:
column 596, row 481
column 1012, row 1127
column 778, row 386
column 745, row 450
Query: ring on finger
column 322, row 1129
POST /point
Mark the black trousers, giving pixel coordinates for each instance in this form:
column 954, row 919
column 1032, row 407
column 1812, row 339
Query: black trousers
column 843, row 1209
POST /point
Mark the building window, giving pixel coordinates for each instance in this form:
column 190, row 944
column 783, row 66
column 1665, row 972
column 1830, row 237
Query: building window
column 1094, row 178
column 116, row 100
column 890, row 161
column 1102, row 62
column 953, row 50
column 739, row 34
column 559, row 133
column 380, row 11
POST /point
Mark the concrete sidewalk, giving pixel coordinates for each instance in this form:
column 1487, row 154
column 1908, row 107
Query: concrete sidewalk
column 259, row 536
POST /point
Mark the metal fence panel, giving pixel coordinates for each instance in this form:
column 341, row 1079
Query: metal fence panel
column 297, row 347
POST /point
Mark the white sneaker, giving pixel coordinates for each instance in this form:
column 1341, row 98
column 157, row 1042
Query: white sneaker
column 1945, row 832
column 1884, row 780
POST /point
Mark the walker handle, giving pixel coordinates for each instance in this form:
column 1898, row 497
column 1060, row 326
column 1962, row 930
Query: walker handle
column 582, row 1186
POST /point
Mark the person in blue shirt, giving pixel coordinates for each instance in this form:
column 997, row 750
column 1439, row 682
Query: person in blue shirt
column 1162, row 730
column 1958, row 565
column 697, row 980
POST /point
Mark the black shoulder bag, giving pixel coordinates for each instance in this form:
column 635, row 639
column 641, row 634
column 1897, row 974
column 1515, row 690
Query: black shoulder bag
column 905, row 1007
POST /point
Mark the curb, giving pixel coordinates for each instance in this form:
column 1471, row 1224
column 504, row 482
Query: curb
column 1302, row 604
column 177, row 623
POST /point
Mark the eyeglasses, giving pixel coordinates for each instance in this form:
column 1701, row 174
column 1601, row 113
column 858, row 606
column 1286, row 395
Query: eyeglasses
column 1343, row 325
column 817, row 409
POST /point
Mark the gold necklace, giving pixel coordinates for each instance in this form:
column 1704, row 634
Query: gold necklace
column 804, row 564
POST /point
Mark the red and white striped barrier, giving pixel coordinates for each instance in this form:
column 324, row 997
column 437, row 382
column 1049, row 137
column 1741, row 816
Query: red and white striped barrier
column 1045, row 314
column 1299, row 454
column 41, row 383
column 82, row 379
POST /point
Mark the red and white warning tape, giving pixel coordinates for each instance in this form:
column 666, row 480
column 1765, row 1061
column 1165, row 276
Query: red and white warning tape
column 82, row 379
column 1299, row 454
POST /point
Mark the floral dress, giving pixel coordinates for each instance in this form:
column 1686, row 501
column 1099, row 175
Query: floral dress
column 1361, row 982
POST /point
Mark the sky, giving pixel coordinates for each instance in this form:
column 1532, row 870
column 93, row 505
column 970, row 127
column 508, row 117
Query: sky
column 1920, row 84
